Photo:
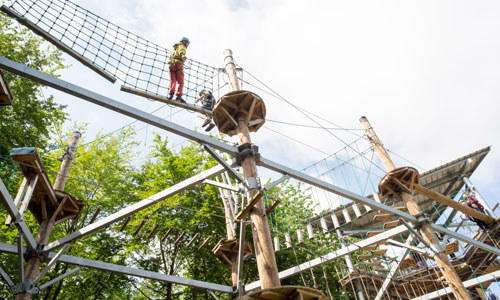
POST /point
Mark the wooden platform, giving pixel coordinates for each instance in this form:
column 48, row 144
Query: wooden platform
column 397, row 181
column 226, row 248
column 382, row 217
column 443, row 179
column 239, row 105
column 391, row 224
column 6, row 97
column 286, row 293
column 419, row 281
column 45, row 200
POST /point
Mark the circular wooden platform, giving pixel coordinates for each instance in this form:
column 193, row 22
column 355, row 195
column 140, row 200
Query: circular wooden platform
column 290, row 292
column 236, row 106
column 398, row 180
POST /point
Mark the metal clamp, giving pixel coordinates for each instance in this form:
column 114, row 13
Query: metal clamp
column 36, row 253
column 247, row 150
column 253, row 183
column 436, row 248
column 422, row 219
column 27, row 286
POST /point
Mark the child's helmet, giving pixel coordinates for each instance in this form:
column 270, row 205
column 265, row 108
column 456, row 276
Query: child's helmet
column 205, row 92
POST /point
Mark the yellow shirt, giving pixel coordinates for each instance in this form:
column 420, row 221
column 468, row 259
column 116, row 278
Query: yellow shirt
column 177, row 54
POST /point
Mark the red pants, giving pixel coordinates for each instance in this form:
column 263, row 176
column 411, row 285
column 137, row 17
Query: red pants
column 176, row 76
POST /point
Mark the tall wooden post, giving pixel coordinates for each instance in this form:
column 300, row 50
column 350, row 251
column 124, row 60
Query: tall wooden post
column 449, row 273
column 266, row 261
column 234, row 256
column 45, row 229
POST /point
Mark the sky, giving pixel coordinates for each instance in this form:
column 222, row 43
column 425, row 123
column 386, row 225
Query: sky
column 425, row 73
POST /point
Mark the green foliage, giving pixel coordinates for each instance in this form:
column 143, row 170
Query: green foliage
column 292, row 214
column 31, row 120
column 193, row 211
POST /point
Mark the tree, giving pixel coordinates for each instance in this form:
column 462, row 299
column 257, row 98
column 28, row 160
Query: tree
column 31, row 120
column 193, row 211
column 100, row 177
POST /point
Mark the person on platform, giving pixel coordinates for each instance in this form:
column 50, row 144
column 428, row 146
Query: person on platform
column 472, row 202
column 176, row 61
column 207, row 102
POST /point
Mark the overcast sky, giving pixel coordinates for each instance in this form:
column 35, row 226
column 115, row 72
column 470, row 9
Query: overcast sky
column 425, row 73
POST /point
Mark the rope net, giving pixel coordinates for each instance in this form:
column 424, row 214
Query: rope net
column 108, row 49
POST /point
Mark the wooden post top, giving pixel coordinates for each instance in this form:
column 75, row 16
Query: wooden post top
column 239, row 105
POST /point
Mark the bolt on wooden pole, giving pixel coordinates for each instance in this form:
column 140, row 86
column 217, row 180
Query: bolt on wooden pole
column 45, row 229
column 266, row 261
column 449, row 273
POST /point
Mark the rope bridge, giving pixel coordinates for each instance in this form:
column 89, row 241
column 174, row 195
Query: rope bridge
column 109, row 50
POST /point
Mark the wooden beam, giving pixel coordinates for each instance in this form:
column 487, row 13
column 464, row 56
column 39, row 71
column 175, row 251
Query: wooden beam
column 153, row 231
column 441, row 259
column 44, row 208
column 242, row 214
column 58, row 210
column 64, row 219
column 195, row 237
column 460, row 207
column 96, row 213
column 6, row 97
column 125, row 223
column 250, row 112
column 205, row 242
column 273, row 206
column 165, row 100
column 180, row 237
column 140, row 227
column 229, row 117
column 17, row 200
column 265, row 257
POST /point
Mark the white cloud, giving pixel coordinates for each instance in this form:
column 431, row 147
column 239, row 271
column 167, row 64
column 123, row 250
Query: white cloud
column 425, row 73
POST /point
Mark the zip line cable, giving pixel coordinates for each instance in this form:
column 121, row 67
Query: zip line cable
column 306, row 113
column 309, row 126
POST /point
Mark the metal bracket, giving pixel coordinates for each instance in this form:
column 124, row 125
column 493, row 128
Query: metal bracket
column 225, row 165
column 247, row 150
column 27, row 286
column 275, row 183
column 422, row 219
column 38, row 252
column 437, row 248
column 434, row 248
column 253, row 183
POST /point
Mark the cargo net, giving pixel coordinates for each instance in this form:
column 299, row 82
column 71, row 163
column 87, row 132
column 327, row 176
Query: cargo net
column 109, row 50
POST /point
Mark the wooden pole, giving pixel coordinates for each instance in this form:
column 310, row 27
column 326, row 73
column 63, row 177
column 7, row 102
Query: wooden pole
column 45, row 229
column 447, row 201
column 449, row 273
column 266, row 261
column 62, row 176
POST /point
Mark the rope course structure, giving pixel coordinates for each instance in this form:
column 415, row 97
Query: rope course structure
column 381, row 247
column 109, row 50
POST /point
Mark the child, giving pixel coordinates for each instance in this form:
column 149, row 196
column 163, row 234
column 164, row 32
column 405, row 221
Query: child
column 207, row 102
